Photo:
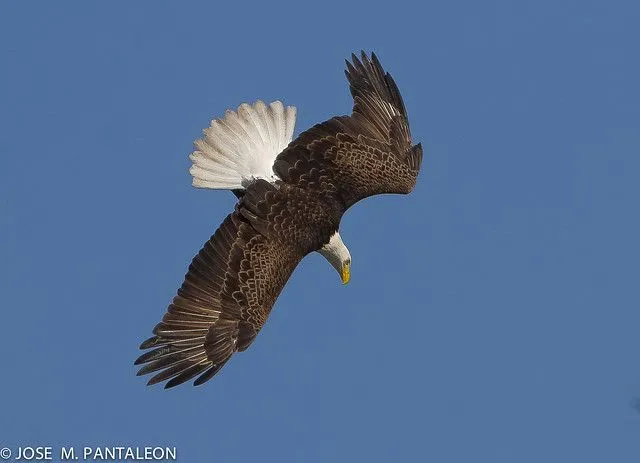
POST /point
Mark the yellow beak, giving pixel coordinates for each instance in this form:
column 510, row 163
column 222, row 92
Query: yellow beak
column 346, row 273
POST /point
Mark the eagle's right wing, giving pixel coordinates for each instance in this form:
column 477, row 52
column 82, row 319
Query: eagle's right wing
column 223, row 303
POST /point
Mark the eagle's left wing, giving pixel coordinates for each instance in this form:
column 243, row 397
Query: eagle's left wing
column 367, row 153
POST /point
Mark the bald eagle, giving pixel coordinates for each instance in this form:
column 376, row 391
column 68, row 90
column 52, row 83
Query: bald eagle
column 291, row 198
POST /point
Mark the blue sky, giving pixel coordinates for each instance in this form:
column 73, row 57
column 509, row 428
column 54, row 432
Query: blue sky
column 492, row 315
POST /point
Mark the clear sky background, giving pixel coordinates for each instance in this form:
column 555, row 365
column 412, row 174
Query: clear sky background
column 493, row 315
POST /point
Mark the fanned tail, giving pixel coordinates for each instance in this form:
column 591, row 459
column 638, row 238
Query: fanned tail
column 242, row 146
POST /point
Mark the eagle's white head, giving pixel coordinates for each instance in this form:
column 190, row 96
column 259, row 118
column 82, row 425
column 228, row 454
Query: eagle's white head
column 338, row 255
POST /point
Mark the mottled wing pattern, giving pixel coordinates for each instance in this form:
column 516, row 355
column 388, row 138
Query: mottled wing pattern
column 367, row 153
column 227, row 293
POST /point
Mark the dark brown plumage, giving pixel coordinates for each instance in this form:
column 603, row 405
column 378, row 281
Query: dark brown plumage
column 233, row 282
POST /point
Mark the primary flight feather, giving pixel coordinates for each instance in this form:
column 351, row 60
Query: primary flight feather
column 292, row 195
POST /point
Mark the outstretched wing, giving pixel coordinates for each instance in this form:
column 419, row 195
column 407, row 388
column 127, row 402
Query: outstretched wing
column 225, row 299
column 367, row 153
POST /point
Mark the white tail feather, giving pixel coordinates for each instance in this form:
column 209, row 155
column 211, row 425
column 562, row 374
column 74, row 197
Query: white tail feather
column 242, row 145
